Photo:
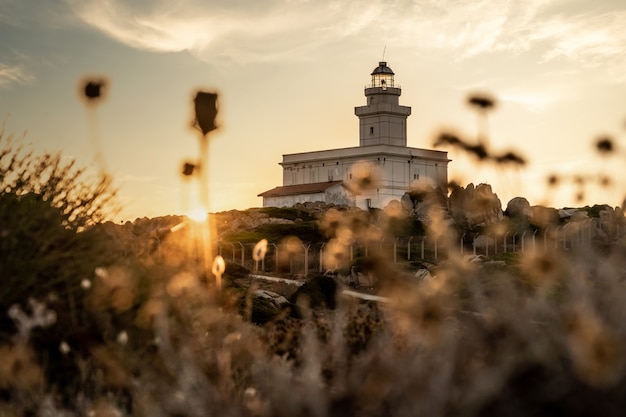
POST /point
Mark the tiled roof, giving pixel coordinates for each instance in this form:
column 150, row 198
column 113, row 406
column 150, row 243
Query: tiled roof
column 312, row 188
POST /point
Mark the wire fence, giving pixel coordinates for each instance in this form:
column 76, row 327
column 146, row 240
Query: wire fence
column 305, row 259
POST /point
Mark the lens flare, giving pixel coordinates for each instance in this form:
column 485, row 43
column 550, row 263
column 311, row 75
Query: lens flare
column 197, row 214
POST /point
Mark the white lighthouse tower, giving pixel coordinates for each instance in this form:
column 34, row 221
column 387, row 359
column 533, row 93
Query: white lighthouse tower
column 382, row 121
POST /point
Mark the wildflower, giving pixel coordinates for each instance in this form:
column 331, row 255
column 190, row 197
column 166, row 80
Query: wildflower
column 101, row 272
column 365, row 177
column 605, row 146
column 188, row 169
column 122, row 337
column 510, row 158
column 64, row 348
column 553, row 180
column 479, row 151
column 595, row 350
column 205, row 106
column 219, row 266
column 93, row 89
column 447, row 139
column 180, row 282
column 605, row 181
column 260, row 249
column 481, row 101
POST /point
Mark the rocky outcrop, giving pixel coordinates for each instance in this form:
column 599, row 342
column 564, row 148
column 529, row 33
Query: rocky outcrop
column 421, row 202
column 475, row 206
column 141, row 237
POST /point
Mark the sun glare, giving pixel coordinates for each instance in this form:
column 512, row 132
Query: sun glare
column 197, row 214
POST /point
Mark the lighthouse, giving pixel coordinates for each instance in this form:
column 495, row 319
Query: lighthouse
column 331, row 176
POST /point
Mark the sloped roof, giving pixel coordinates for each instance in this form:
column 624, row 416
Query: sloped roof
column 312, row 188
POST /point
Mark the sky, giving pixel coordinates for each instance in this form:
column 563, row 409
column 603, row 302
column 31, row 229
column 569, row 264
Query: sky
column 289, row 74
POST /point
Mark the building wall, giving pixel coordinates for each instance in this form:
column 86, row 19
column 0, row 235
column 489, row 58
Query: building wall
column 336, row 194
column 291, row 200
column 394, row 169
column 382, row 129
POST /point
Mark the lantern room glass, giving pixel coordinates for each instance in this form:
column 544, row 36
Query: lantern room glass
column 382, row 80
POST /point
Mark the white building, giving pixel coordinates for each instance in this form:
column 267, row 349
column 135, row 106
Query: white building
column 382, row 168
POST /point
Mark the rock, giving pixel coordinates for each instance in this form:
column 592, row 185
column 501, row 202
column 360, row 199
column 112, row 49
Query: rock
column 366, row 280
column 423, row 275
column 266, row 305
column 407, row 204
column 318, row 293
column 475, row 206
column 476, row 259
column 276, row 299
column 579, row 216
column 544, row 217
column 519, row 207
column 566, row 213
column 494, row 264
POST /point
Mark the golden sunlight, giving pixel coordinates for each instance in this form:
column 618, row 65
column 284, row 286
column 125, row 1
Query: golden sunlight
column 198, row 214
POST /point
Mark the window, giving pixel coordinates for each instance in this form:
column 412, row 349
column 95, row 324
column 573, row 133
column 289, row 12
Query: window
column 371, row 130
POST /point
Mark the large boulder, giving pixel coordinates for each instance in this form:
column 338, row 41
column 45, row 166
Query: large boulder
column 544, row 217
column 319, row 292
column 519, row 207
column 266, row 305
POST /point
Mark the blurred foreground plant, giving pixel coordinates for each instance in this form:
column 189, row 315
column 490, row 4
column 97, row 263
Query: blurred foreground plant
column 46, row 246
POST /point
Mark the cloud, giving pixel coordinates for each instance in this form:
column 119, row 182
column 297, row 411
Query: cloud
column 252, row 31
column 534, row 102
column 14, row 74
column 245, row 31
column 593, row 41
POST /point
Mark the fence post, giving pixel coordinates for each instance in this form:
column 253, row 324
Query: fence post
column 275, row 256
column 233, row 246
column 395, row 250
column 242, row 253
column 462, row 243
column 504, row 242
column 322, row 257
column 523, row 239
column 306, row 259
column 408, row 249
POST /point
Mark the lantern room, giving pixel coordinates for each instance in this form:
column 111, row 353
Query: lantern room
column 382, row 76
